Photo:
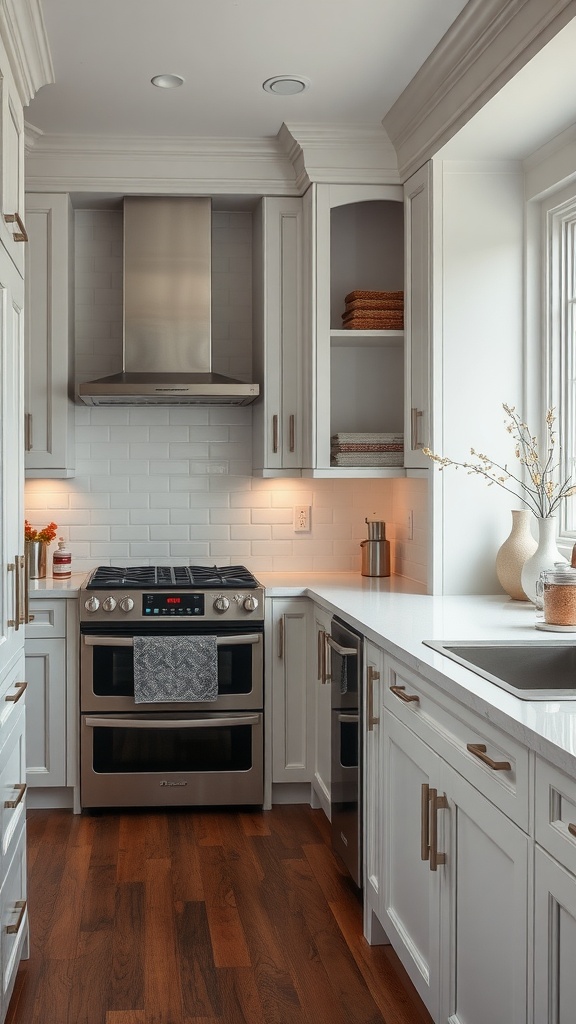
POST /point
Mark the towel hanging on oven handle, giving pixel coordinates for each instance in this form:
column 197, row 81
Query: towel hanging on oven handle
column 128, row 641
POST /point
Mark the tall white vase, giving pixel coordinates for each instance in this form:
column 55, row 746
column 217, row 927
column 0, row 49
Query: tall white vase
column 514, row 552
column 546, row 556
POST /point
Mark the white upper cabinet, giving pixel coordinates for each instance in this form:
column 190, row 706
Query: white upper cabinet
column 277, row 352
column 12, row 225
column 12, row 581
column 49, row 409
column 354, row 378
column 418, row 250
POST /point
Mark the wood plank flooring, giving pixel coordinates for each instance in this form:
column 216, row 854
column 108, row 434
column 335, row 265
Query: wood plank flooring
column 199, row 917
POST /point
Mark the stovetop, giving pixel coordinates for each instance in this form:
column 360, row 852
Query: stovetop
column 168, row 577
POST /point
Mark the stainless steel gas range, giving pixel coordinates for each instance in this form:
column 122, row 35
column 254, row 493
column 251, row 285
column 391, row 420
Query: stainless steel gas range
column 191, row 752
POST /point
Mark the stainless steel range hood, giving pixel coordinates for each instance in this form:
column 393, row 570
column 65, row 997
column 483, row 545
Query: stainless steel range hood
column 167, row 355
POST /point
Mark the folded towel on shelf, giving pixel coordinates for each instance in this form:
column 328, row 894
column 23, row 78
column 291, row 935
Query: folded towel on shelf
column 367, row 458
column 175, row 668
column 366, row 437
column 374, row 305
column 366, row 294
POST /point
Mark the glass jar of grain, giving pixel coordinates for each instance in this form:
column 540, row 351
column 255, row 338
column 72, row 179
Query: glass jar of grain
column 558, row 588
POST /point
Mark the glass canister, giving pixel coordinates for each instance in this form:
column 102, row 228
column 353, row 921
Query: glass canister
column 557, row 588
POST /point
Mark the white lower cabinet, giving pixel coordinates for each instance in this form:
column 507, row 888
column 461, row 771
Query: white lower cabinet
column 13, row 895
column 554, row 896
column 321, row 778
column 455, row 872
column 51, row 725
column 292, row 716
column 372, row 787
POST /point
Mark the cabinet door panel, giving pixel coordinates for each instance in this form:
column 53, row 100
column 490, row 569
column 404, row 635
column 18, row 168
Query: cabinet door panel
column 291, row 727
column 418, row 322
column 411, row 891
column 12, row 612
column 554, row 942
column 485, row 915
column 372, row 775
column 46, row 712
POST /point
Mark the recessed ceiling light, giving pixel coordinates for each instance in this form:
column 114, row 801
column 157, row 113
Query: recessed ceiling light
column 167, row 81
column 286, row 85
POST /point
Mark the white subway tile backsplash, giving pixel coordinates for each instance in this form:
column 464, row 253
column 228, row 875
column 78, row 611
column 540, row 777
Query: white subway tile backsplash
column 161, row 484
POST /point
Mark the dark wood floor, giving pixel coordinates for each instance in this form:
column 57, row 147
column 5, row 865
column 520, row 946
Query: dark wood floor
column 199, row 917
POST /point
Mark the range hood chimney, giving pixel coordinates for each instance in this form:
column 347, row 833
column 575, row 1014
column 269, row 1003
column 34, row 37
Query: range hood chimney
column 167, row 354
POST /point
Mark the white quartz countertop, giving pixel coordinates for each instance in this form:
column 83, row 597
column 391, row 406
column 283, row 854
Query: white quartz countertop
column 398, row 617
column 51, row 587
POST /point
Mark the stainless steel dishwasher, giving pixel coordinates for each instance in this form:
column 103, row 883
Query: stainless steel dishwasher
column 346, row 650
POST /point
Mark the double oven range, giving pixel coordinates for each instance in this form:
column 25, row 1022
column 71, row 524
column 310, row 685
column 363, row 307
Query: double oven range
column 193, row 753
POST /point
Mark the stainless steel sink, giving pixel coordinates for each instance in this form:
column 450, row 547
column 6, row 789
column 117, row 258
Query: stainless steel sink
column 530, row 670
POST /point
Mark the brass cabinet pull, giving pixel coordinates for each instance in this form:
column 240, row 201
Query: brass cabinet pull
column 327, row 676
column 21, row 787
column 22, row 574
column 373, row 675
column 281, row 637
column 424, row 822
column 408, row 698
column 28, row 431
column 320, row 666
column 20, row 235
column 13, row 929
column 437, row 803
column 11, row 567
column 572, row 829
column 479, row 751
column 15, row 697
column 275, row 433
column 415, row 415
column 292, row 433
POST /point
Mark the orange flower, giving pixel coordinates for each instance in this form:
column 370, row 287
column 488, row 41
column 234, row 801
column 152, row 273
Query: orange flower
column 45, row 535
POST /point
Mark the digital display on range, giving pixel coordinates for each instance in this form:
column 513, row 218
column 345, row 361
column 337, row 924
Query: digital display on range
column 156, row 605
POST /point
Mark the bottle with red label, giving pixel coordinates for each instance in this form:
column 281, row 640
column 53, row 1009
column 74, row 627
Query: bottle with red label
column 61, row 561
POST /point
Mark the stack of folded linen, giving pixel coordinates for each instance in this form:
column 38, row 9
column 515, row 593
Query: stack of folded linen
column 374, row 311
column 367, row 449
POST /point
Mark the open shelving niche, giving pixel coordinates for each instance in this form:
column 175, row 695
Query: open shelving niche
column 365, row 367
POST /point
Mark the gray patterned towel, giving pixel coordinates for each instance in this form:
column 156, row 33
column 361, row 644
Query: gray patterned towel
column 175, row 668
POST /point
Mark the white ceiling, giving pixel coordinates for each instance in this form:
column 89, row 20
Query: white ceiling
column 358, row 54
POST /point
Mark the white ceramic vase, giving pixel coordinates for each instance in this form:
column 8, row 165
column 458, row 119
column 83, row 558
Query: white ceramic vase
column 514, row 553
column 546, row 556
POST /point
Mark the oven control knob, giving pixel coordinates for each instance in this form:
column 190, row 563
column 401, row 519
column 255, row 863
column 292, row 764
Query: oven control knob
column 126, row 604
column 251, row 603
column 92, row 604
column 109, row 604
column 221, row 604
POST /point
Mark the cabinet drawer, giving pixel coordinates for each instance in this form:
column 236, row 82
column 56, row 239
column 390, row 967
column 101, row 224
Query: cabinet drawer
column 497, row 764
column 555, row 820
column 49, row 619
column 12, row 785
column 12, row 696
column 13, row 915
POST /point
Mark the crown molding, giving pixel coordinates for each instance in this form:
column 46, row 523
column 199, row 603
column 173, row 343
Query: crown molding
column 482, row 50
column 284, row 165
column 337, row 154
column 24, row 36
column 139, row 164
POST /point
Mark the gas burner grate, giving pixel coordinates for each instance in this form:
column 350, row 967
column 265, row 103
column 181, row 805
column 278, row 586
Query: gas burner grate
column 171, row 577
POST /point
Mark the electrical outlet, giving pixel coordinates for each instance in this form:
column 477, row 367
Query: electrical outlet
column 409, row 524
column 302, row 518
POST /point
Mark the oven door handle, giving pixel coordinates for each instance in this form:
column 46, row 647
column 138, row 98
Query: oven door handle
column 128, row 641
column 170, row 723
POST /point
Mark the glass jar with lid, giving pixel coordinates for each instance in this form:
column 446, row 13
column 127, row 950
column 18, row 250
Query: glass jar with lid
column 557, row 589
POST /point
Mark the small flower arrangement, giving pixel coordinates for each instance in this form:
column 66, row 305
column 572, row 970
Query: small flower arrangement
column 47, row 534
column 540, row 491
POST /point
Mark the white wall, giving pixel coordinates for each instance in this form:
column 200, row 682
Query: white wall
column 483, row 363
column 174, row 485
